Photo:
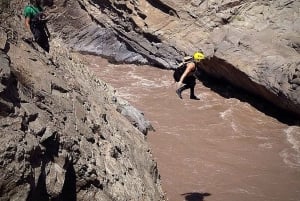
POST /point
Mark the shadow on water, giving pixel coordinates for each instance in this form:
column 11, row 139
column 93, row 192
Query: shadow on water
column 195, row 196
column 227, row 90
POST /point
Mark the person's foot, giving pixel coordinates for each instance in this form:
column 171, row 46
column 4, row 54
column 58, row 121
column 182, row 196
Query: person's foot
column 194, row 97
column 178, row 92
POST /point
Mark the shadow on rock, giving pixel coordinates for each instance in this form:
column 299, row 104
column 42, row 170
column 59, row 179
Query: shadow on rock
column 195, row 196
column 227, row 90
column 69, row 188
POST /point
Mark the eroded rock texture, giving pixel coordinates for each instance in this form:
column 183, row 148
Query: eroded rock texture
column 64, row 134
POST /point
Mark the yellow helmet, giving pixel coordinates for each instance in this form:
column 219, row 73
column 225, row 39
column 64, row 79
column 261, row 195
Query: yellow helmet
column 198, row 56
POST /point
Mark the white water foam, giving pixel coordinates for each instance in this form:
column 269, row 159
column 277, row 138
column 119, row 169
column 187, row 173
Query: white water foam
column 291, row 156
column 234, row 127
column 206, row 106
column 148, row 84
column 266, row 145
column 226, row 114
column 293, row 137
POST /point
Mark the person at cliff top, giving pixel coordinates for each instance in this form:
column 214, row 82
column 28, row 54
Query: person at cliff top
column 188, row 77
column 35, row 22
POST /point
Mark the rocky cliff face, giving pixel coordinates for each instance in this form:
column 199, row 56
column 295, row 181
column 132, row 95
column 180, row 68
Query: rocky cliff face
column 64, row 133
column 252, row 44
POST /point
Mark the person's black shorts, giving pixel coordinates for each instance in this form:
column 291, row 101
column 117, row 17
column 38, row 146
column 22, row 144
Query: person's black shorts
column 190, row 81
column 40, row 37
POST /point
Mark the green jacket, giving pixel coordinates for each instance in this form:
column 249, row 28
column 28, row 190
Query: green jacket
column 30, row 11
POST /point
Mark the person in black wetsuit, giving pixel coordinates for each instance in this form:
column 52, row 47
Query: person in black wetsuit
column 188, row 78
column 35, row 22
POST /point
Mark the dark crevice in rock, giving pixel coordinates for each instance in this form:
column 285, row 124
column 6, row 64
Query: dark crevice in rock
column 6, row 47
column 123, row 6
column 95, row 128
column 26, row 119
column 287, row 3
column 141, row 15
column 151, row 38
column 96, row 21
column 116, row 152
column 163, row 7
column 82, row 6
column 44, row 107
column 102, row 3
column 225, row 21
column 32, row 117
column 93, row 182
column 61, row 89
column 6, row 107
column 295, row 46
column 230, row 5
column 154, row 172
column 65, row 3
column 116, row 10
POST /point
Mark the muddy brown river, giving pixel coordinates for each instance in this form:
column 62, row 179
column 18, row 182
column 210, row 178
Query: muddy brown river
column 215, row 149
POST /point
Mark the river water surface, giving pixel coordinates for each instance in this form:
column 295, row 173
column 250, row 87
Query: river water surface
column 214, row 149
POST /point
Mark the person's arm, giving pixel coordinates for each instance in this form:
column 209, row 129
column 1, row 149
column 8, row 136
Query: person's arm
column 27, row 33
column 27, row 21
column 189, row 68
column 27, row 15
